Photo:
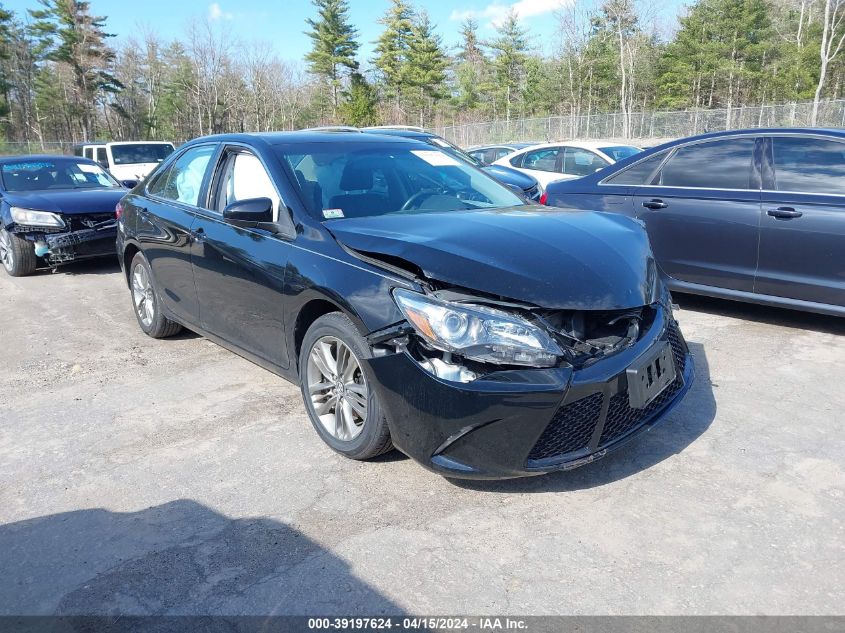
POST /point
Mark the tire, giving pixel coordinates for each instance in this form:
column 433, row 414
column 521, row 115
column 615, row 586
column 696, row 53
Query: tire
column 18, row 255
column 146, row 302
column 361, row 437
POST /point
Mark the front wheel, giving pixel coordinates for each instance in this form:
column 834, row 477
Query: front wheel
column 17, row 255
column 342, row 406
column 146, row 301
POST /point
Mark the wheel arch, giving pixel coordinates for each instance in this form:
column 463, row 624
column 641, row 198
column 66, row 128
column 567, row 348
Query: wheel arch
column 314, row 308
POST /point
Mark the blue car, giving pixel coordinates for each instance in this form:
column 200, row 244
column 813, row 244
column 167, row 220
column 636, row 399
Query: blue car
column 750, row 215
column 55, row 210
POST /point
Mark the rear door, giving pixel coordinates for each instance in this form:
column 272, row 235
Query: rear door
column 164, row 228
column 802, row 237
column 240, row 272
column 703, row 213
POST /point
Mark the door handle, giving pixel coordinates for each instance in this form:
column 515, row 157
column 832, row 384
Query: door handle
column 655, row 204
column 784, row 213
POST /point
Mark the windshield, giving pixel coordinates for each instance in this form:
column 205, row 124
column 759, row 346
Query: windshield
column 40, row 175
column 618, row 152
column 365, row 180
column 454, row 150
column 136, row 153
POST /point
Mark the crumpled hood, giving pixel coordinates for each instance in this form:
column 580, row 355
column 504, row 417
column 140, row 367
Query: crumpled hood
column 68, row 201
column 544, row 256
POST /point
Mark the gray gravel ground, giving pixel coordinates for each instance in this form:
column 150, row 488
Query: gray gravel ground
column 148, row 477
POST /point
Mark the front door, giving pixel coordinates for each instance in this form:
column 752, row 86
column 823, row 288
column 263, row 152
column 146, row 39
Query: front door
column 164, row 229
column 239, row 272
column 703, row 213
column 802, row 238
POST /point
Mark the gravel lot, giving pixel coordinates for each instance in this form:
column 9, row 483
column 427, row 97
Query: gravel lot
column 148, row 477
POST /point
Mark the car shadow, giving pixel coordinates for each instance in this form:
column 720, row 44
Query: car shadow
column 179, row 558
column 683, row 425
column 98, row 266
column 782, row 317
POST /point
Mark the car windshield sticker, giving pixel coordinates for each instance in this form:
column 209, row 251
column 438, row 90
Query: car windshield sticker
column 438, row 159
column 33, row 166
column 89, row 169
column 332, row 213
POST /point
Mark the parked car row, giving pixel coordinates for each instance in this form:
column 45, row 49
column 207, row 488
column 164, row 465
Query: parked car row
column 754, row 215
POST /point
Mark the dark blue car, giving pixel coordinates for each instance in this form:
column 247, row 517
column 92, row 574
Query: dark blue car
column 55, row 209
column 752, row 215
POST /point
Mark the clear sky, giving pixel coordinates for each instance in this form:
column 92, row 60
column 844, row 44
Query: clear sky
column 282, row 22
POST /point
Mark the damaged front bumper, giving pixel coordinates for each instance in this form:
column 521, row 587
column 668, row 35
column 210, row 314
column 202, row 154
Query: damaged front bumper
column 81, row 238
column 526, row 421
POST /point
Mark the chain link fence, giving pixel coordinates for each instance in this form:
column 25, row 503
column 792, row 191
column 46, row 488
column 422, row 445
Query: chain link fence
column 34, row 147
column 645, row 127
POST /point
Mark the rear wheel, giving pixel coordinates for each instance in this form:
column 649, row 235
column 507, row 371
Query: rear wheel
column 145, row 300
column 343, row 408
column 17, row 255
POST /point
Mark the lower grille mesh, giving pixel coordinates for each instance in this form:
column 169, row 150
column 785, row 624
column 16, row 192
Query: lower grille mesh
column 572, row 426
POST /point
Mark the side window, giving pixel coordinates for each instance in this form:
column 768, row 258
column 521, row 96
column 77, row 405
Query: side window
column 642, row 173
column 101, row 157
column 581, row 162
column 245, row 178
column 88, row 152
column 478, row 155
column 501, row 153
column 723, row 164
column 181, row 181
column 542, row 159
column 809, row 165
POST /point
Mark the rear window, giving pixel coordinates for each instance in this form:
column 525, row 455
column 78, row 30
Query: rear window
column 619, row 152
column 641, row 173
column 722, row 164
column 132, row 154
column 809, row 165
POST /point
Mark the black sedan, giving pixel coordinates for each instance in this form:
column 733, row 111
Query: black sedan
column 750, row 215
column 417, row 302
column 56, row 209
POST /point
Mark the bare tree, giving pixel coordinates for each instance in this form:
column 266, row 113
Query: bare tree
column 833, row 37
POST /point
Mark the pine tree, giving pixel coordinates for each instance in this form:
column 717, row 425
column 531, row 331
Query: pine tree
column 334, row 45
column 359, row 106
column 510, row 54
column 425, row 72
column 392, row 49
column 71, row 36
column 470, row 71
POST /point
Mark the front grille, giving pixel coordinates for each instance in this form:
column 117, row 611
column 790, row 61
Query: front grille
column 571, row 428
column 573, row 425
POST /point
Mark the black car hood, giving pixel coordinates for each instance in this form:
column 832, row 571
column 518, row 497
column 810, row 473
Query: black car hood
column 67, row 201
column 543, row 256
column 511, row 176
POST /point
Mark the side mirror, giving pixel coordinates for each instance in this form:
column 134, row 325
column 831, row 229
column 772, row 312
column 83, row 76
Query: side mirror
column 129, row 183
column 250, row 213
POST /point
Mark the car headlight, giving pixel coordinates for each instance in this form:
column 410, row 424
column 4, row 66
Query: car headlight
column 478, row 332
column 30, row 217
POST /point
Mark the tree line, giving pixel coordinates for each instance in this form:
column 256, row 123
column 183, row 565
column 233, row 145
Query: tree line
column 64, row 77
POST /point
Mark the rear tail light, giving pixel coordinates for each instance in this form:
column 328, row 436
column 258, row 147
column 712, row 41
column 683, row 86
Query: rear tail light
column 118, row 210
column 544, row 198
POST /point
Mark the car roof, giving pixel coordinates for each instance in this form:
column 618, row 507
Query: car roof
column 37, row 157
column 306, row 136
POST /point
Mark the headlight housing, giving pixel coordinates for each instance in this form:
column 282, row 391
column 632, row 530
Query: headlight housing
column 478, row 332
column 30, row 217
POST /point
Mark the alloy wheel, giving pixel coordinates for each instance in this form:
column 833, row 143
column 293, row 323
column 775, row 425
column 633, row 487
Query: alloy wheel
column 337, row 388
column 142, row 295
column 6, row 254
